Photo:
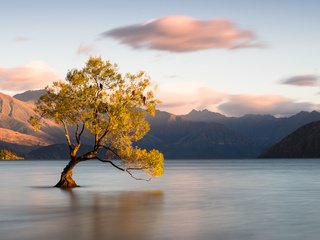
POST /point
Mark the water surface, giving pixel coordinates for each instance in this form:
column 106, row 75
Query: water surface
column 212, row 199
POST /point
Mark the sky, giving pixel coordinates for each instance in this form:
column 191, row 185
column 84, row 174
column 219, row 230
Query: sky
column 233, row 57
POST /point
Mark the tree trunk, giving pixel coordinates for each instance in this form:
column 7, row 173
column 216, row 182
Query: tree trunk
column 66, row 180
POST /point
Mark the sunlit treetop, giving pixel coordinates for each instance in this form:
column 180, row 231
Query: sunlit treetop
column 109, row 105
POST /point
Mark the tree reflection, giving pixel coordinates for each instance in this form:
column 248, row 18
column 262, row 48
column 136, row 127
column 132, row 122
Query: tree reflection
column 124, row 215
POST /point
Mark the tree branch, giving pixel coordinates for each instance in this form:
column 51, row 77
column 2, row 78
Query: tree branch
column 77, row 134
column 82, row 129
column 108, row 161
column 87, row 156
column 66, row 131
column 104, row 134
column 148, row 179
column 111, row 150
column 136, row 168
column 123, row 169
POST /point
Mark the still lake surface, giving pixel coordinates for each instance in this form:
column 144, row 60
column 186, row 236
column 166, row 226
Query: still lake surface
column 198, row 199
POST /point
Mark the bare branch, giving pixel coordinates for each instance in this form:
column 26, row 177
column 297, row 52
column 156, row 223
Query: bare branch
column 123, row 169
column 76, row 134
column 148, row 179
column 136, row 168
column 103, row 135
column 66, row 131
column 111, row 150
column 108, row 161
column 82, row 129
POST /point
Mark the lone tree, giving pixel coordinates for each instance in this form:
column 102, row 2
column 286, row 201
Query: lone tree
column 111, row 107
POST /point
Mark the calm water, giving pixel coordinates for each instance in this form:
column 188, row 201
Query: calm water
column 229, row 199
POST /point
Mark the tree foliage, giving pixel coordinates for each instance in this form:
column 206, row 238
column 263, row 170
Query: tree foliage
column 109, row 105
column 8, row 155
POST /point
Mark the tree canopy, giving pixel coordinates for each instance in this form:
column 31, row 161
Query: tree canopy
column 111, row 107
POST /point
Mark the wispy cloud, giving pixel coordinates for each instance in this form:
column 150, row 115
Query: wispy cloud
column 21, row 39
column 308, row 80
column 184, row 34
column 85, row 49
column 181, row 97
column 238, row 105
column 35, row 75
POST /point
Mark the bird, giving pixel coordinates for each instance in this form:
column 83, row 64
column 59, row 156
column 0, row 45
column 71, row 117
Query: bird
column 143, row 99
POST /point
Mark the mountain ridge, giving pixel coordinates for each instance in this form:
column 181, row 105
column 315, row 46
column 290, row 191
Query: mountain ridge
column 14, row 116
column 30, row 95
column 209, row 134
column 302, row 143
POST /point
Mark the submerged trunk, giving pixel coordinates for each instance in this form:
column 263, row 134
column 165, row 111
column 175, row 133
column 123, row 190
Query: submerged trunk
column 66, row 180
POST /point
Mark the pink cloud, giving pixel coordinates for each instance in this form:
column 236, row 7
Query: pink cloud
column 238, row 105
column 35, row 75
column 180, row 98
column 184, row 34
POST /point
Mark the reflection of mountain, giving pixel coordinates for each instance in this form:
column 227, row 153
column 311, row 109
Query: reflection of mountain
column 199, row 134
column 302, row 143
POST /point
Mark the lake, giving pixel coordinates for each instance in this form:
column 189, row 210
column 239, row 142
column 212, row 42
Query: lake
column 198, row 199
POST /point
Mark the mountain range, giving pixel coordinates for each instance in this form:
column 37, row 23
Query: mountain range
column 302, row 143
column 15, row 131
column 198, row 134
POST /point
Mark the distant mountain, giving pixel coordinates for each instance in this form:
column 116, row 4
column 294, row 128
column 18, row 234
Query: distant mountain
column 267, row 130
column 198, row 134
column 302, row 143
column 13, row 109
column 54, row 151
column 178, row 139
column 57, row 151
column 162, row 117
column 14, row 137
column 15, row 130
column 30, row 96
column 186, row 139
column 204, row 116
column 264, row 130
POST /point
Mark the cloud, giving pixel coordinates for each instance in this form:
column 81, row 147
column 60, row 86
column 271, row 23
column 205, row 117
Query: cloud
column 21, row 39
column 85, row 49
column 190, row 95
column 181, row 97
column 302, row 80
column 35, row 75
column 238, row 105
column 184, row 34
